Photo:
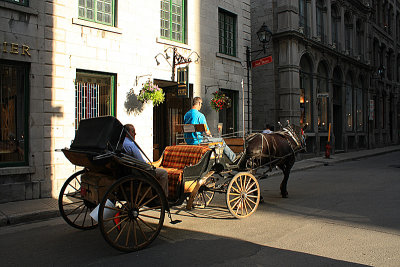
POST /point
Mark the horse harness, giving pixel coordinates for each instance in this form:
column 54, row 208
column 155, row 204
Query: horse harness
column 285, row 133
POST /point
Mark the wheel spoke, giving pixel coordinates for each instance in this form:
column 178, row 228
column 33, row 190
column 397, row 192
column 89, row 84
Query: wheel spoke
column 129, row 231
column 245, row 206
column 114, row 208
column 251, row 191
column 83, row 204
column 84, row 218
column 76, row 190
column 233, row 199
column 137, row 193
column 150, row 208
column 237, row 191
column 146, row 224
column 72, row 203
column 251, row 201
column 115, row 217
column 120, row 232
column 234, row 205
column 79, row 214
column 115, row 226
column 132, row 193
column 124, row 194
column 134, row 233
column 151, row 199
column 145, row 194
column 238, row 186
column 141, row 230
column 149, row 216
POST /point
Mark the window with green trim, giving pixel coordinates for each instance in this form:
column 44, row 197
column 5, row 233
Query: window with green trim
column 227, row 32
column 14, row 97
column 172, row 20
column 94, row 95
column 100, row 11
column 19, row 2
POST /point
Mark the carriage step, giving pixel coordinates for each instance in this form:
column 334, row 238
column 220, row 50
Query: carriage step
column 175, row 221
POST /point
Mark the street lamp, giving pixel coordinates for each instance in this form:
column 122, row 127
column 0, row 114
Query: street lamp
column 264, row 36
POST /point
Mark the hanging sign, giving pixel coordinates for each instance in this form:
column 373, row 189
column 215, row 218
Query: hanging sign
column 261, row 61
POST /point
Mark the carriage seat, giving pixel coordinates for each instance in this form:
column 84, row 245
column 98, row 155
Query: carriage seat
column 174, row 159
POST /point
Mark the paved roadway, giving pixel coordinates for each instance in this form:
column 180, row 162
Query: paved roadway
column 341, row 215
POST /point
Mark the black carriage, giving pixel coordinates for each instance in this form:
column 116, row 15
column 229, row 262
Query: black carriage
column 122, row 196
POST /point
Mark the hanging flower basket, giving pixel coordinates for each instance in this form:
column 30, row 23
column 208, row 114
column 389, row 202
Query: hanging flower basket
column 151, row 91
column 220, row 101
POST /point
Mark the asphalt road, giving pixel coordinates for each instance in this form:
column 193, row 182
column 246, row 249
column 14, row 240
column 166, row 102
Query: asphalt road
column 341, row 215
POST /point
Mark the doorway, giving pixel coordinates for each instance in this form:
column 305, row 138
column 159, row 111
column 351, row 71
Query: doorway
column 167, row 115
column 337, row 117
column 228, row 116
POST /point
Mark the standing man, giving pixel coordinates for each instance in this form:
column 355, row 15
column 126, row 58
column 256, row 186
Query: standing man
column 131, row 149
column 194, row 116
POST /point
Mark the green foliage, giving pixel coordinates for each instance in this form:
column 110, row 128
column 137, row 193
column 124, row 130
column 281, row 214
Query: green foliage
column 220, row 101
column 152, row 92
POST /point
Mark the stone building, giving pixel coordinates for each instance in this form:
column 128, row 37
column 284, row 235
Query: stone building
column 335, row 63
column 63, row 61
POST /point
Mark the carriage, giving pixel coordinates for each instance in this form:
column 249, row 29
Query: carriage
column 122, row 196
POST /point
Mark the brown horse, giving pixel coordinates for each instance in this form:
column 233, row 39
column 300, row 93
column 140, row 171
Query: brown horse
column 274, row 149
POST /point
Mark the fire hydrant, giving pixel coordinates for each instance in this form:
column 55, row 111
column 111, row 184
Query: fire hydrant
column 328, row 151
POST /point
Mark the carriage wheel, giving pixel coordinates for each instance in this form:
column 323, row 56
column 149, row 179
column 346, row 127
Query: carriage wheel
column 73, row 208
column 243, row 195
column 205, row 195
column 136, row 215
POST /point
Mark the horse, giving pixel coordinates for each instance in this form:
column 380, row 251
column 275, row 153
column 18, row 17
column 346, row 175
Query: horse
column 274, row 149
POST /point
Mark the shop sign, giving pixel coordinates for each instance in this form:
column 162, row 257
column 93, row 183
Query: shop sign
column 183, row 88
column 14, row 48
column 321, row 95
column 261, row 61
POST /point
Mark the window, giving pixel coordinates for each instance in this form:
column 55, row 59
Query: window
column 335, row 26
column 359, row 109
column 13, row 114
column 322, row 98
column 172, row 20
column 320, row 20
column 100, row 11
column 227, row 32
column 94, row 96
column 306, row 85
column 20, row 2
column 349, row 106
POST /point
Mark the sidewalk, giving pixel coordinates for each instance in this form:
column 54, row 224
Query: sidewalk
column 39, row 209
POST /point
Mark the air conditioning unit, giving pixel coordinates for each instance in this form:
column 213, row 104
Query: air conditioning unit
column 301, row 30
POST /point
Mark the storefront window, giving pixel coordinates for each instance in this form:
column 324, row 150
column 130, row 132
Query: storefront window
column 13, row 123
column 349, row 107
column 305, row 91
column 322, row 98
column 359, row 109
column 94, row 96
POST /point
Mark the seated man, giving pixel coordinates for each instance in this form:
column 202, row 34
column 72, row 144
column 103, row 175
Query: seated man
column 131, row 149
column 194, row 116
column 268, row 129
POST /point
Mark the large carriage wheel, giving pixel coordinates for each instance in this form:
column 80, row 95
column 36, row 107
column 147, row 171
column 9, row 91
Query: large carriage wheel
column 73, row 208
column 243, row 195
column 136, row 215
column 205, row 195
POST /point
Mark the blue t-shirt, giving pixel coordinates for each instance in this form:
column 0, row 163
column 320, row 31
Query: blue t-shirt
column 194, row 116
column 131, row 149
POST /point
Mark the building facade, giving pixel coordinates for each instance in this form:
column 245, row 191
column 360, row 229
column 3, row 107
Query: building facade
column 62, row 62
column 336, row 66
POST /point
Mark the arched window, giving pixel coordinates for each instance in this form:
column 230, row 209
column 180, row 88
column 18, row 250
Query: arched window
column 322, row 97
column 349, row 103
column 305, row 91
column 359, row 106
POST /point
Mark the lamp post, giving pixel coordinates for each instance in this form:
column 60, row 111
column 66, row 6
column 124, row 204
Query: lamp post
column 264, row 36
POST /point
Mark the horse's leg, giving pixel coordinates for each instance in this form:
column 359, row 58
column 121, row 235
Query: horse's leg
column 286, row 167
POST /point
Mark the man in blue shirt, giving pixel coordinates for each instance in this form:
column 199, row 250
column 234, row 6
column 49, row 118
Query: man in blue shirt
column 194, row 116
column 131, row 149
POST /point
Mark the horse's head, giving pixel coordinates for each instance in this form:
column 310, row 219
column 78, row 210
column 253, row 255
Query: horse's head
column 300, row 132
